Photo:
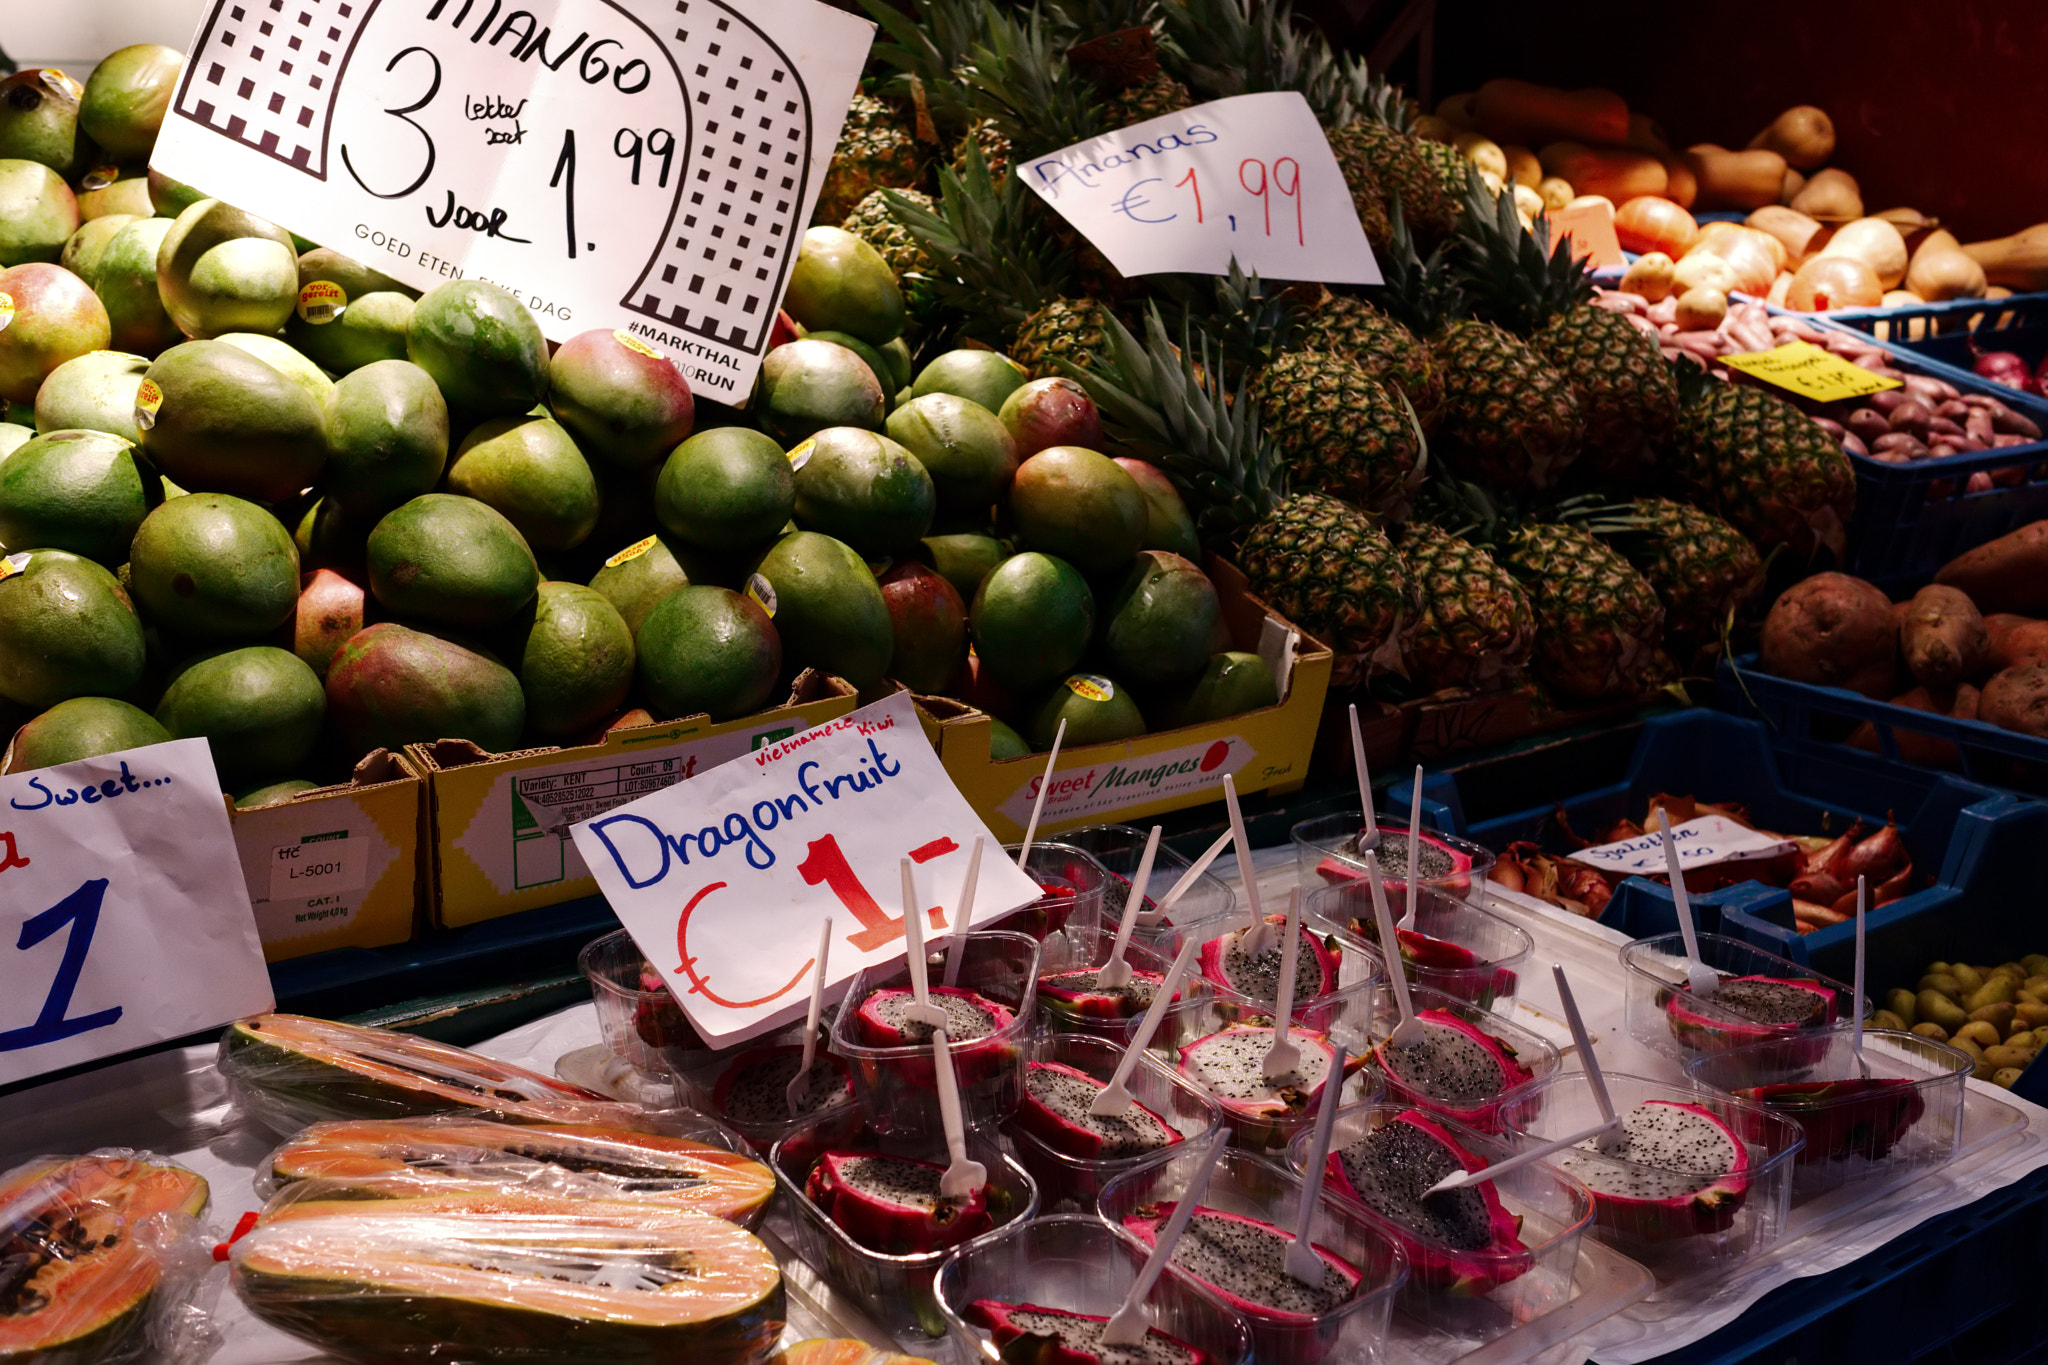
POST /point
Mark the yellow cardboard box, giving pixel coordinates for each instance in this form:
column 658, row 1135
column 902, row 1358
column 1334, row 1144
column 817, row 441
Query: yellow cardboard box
column 1125, row 781
column 501, row 822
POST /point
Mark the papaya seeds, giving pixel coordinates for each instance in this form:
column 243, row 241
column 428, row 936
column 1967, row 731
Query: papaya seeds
column 711, row 651
column 575, row 661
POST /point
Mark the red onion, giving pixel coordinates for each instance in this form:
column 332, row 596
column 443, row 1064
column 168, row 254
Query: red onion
column 2041, row 377
column 2001, row 367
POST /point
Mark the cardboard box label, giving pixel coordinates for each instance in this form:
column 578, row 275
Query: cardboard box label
column 1097, row 788
column 312, row 867
column 319, row 865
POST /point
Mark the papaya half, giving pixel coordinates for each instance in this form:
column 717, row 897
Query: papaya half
column 77, row 1278
column 542, row 1279
column 397, row 1158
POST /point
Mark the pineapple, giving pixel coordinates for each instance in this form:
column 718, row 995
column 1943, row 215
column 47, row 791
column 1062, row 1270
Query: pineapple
column 1070, row 330
column 1155, row 98
column 1380, row 346
column 1340, row 430
column 1704, row 570
column 1509, row 416
column 1762, row 464
column 1356, row 159
column 1474, row 626
column 1619, row 377
column 1317, row 560
column 872, row 222
column 1403, row 162
column 1598, row 622
column 989, row 139
column 1449, row 165
column 875, row 152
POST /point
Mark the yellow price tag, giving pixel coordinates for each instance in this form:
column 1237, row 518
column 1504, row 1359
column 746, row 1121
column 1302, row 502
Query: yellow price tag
column 1806, row 369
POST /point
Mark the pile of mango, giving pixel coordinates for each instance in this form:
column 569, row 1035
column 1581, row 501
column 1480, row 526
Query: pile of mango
column 1999, row 1015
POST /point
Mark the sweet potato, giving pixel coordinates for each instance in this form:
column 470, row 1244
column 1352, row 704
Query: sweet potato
column 2023, row 642
column 1943, row 636
column 1836, row 631
column 1924, row 750
column 2009, row 574
column 2017, row 699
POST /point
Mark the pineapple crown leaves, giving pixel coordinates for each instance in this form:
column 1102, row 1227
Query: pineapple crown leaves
column 1696, row 383
column 924, row 51
column 994, row 263
column 1515, row 278
column 1243, row 47
column 1250, row 321
column 1420, row 295
column 1017, row 77
column 1169, row 404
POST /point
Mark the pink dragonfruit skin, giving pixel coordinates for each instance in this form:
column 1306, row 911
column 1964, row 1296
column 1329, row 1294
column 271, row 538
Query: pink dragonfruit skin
column 1336, row 871
column 1071, row 1139
column 1211, row 963
column 1087, row 1004
column 823, row 1065
column 892, row 1228
column 1704, row 1211
column 1696, row 1032
column 1000, row 1320
column 973, row 1062
column 1432, row 1264
column 1486, row 1117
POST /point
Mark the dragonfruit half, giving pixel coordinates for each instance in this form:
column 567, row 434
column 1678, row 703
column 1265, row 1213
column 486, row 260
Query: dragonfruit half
column 657, row 1018
column 1055, row 1111
column 1762, row 1006
column 1858, row 1116
column 1245, row 1262
column 1053, row 1336
column 1075, row 994
column 1451, row 968
column 1262, row 1112
column 1459, row 1070
column 891, row 1204
column 1256, row 976
column 1460, row 1241
column 1677, row 1171
column 883, row 1020
column 754, row 1087
column 1437, row 862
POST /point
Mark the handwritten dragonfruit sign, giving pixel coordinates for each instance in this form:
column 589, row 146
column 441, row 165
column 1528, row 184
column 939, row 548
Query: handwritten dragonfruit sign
column 1251, row 178
column 724, row 879
column 124, row 919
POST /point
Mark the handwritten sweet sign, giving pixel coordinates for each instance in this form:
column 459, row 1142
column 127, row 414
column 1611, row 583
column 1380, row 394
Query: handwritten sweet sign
column 648, row 168
column 1251, row 177
column 1809, row 371
column 124, row 919
column 1701, row 842
column 724, row 879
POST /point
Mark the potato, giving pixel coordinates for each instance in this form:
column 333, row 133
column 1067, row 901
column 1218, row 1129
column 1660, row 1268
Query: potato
column 1969, row 977
column 2002, row 1056
column 1980, row 1033
column 1998, row 1014
column 1927, row 751
column 2007, row 1076
column 1933, row 1007
column 1874, row 242
column 1943, row 636
column 1886, row 1019
column 1900, row 1001
column 1944, row 982
column 1835, row 631
column 2017, row 699
column 1934, row 1031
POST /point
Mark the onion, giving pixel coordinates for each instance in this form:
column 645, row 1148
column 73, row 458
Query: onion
column 1827, row 282
column 1750, row 255
column 2041, row 378
column 2002, row 367
column 1650, row 222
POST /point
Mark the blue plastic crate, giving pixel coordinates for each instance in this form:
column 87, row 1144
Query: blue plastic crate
column 1942, row 334
column 1976, row 844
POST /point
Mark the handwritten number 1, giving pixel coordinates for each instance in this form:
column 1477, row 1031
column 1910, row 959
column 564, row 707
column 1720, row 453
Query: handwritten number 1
column 403, row 113
column 565, row 178
column 80, row 909
column 1195, row 185
column 825, row 864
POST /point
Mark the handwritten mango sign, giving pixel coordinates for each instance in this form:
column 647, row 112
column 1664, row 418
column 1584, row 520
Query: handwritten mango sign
column 124, row 919
column 724, row 879
column 646, row 168
column 1250, row 178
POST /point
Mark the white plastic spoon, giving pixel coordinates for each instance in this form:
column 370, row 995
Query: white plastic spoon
column 1038, row 802
column 1115, row 1099
column 799, row 1084
column 1254, row 940
column 1117, row 972
column 922, row 1010
column 1458, row 1180
column 1302, row 1262
column 1856, row 1000
column 1703, row 979
column 1372, row 824
column 1410, row 1031
column 963, row 1177
column 964, row 915
column 1128, row 1325
column 1412, row 892
column 1595, row 1082
column 1285, row 1056
column 1187, row 880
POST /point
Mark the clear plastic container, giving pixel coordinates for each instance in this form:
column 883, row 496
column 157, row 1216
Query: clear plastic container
column 646, row 1027
column 1664, row 1016
column 1890, row 1115
column 1119, row 848
column 1254, row 1187
column 1080, row 950
column 896, row 1087
column 1345, row 1017
column 1067, row 1181
column 698, row 1078
column 1477, row 1294
column 1452, row 931
column 1075, row 886
column 1326, row 854
column 1530, row 1050
column 1714, row 1228
column 896, row 1291
column 1074, row 1262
